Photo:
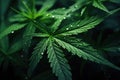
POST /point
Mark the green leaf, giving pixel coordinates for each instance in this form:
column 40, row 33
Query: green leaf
column 17, row 18
column 58, row 62
column 62, row 13
column 56, row 24
column 99, row 4
column 10, row 29
column 80, row 26
column 46, row 5
column 80, row 53
column 25, row 3
column 15, row 47
column 75, row 41
column 27, row 39
column 83, row 11
column 58, row 13
column 38, row 35
column 76, row 6
column 114, row 11
column 37, row 55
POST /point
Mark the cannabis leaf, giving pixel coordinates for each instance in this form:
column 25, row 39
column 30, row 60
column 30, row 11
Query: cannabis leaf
column 74, row 45
column 46, row 5
column 80, row 26
column 10, row 56
column 58, row 62
column 10, row 29
column 17, row 18
column 92, row 57
column 99, row 4
column 37, row 55
column 28, row 15
column 27, row 39
column 62, row 13
column 58, row 29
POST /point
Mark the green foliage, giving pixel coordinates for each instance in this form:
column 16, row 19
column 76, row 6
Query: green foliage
column 56, row 30
column 11, row 29
column 80, row 26
column 37, row 55
column 58, row 62
column 98, row 4
column 92, row 57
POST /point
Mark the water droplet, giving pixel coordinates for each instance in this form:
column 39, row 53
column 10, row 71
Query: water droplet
column 67, row 28
column 12, row 32
column 42, row 53
column 53, row 16
column 64, row 17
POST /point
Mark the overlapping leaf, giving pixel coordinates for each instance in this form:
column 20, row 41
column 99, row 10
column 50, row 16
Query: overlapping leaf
column 99, row 4
column 27, row 39
column 13, row 27
column 80, row 26
column 58, row 62
column 46, row 5
column 37, row 55
column 92, row 57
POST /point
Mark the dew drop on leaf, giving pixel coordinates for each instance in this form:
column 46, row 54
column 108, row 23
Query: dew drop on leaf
column 64, row 17
column 42, row 53
column 12, row 32
column 53, row 16
column 67, row 28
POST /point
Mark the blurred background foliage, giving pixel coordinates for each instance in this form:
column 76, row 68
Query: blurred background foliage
column 105, row 38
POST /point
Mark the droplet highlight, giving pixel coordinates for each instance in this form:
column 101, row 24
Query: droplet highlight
column 12, row 32
column 42, row 53
column 67, row 28
column 53, row 16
